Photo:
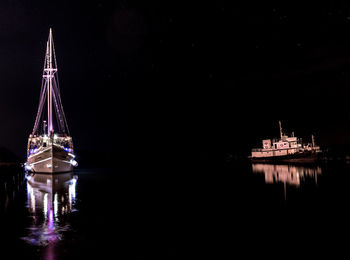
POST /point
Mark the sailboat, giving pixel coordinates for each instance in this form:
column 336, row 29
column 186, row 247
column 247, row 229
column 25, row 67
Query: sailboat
column 50, row 147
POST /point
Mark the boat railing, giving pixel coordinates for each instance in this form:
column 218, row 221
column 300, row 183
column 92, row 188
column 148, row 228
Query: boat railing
column 44, row 141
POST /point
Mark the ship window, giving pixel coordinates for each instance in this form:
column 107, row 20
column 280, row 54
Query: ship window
column 44, row 145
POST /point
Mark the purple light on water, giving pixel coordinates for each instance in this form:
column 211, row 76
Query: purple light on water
column 50, row 223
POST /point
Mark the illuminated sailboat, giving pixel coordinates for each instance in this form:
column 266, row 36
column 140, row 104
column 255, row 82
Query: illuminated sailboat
column 49, row 150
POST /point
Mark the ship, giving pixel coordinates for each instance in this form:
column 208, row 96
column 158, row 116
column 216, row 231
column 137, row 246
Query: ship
column 286, row 149
column 50, row 146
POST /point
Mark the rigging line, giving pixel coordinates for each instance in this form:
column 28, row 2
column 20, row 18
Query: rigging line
column 58, row 106
column 41, row 105
column 42, row 93
column 39, row 112
column 54, row 57
column 42, row 90
column 61, row 105
column 57, row 84
column 65, row 119
column 57, row 112
column 40, row 109
column 60, row 122
column 43, row 87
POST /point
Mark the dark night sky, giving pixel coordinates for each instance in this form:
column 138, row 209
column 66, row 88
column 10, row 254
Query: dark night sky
column 171, row 77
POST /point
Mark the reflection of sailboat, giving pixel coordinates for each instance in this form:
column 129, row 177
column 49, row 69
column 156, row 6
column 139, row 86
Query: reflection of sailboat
column 50, row 198
column 287, row 174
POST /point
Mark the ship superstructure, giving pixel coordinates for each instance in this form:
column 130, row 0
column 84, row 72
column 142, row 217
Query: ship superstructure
column 286, row 148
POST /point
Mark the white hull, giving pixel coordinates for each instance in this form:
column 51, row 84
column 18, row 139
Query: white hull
column 51, row 159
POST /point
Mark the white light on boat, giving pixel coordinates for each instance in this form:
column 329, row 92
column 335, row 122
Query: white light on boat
column 48, row 165
column 73, row 162
column 28, row 167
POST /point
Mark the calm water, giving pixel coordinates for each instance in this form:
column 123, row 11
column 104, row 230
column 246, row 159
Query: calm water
column 235, row 208
column 91, row 213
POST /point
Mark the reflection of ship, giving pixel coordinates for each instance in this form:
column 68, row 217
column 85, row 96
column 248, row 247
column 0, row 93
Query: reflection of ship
column 287, row 174
column 50, row 199
column 48, row 150
column 287, row 148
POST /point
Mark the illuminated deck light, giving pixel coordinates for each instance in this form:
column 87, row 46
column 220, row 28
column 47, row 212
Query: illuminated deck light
column 73, row 162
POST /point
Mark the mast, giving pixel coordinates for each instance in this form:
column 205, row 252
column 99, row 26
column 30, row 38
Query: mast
column 50, row 83
column 281, row 134
column 50, row 93
column 49, row 74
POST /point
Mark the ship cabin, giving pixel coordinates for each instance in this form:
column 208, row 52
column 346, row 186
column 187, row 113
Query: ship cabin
column 284, row 143
column 39, row 142
column 278, row 147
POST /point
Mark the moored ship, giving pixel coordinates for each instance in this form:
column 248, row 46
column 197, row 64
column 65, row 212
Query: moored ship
column 286, row 148
column 50, row 150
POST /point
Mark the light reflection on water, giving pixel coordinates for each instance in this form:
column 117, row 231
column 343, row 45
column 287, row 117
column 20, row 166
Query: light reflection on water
column 50, row 198
column 288, row 174
column 292, row 175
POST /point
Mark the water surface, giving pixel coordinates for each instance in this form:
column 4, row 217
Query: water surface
column 233, row 208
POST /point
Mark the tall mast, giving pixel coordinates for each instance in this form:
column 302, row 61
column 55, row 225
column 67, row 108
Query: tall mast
column 49, row 74
column 50, row 92
column 50, row 128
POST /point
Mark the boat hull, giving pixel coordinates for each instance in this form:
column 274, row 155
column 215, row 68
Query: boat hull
column 306, row 157
column 52, row 159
